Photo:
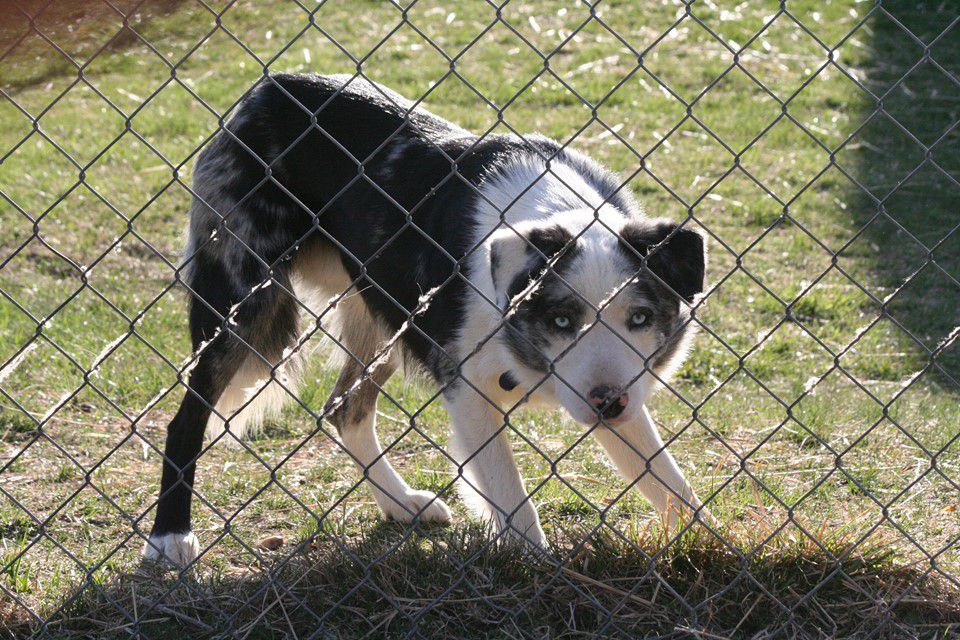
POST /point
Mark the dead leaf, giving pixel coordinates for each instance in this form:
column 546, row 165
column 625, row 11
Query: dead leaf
column 271, row 543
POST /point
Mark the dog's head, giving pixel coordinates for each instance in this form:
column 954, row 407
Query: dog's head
column 598, row 306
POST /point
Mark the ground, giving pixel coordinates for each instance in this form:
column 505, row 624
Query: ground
column 818, row 411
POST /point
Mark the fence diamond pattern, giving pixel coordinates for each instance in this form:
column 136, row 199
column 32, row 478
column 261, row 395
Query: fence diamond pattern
column 32, row 424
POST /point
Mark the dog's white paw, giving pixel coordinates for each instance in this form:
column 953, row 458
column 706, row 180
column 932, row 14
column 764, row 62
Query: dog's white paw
column 425, row 503
column 178, row 549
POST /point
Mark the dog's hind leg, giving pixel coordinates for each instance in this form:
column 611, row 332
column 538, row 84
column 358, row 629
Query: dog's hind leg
column 243, row 324
column 352, row 408
column 232, row 339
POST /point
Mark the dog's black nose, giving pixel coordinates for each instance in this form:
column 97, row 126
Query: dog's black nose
column 607, row 401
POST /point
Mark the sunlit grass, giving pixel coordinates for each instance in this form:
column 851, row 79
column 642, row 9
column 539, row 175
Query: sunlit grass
column 802, row 357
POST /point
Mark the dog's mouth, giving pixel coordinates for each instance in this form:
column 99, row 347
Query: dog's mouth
column 611, row 413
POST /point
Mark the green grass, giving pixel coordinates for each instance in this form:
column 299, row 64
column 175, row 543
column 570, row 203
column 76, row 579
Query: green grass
column 805, row 356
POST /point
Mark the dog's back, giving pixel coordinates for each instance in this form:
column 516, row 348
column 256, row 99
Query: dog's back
column 285, row 158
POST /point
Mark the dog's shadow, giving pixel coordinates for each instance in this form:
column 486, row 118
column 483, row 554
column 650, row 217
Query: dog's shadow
column 455, row 582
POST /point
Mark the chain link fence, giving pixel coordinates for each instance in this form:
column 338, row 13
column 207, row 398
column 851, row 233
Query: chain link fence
column 813, row 144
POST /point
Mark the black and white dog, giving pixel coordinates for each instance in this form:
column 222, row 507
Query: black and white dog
column 511, row 269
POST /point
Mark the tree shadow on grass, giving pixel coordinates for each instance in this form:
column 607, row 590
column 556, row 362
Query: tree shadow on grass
column 907, row 163
column 41, row 40
column 451, row 584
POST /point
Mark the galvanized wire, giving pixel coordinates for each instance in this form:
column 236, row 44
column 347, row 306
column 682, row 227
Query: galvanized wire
column 319, row 321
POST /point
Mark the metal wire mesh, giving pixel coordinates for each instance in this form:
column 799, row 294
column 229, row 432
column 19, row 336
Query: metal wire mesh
column 137, row 324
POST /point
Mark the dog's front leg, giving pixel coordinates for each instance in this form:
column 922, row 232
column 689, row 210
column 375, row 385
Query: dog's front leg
column 490, row 482
column 638, row 453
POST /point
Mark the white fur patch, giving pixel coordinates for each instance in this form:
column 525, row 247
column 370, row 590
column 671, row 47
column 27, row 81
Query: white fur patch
column 528, row 191
column 252, row 396
column 178, row 549
column 638, row 453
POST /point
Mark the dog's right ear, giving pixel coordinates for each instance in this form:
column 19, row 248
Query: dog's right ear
column 519, row 255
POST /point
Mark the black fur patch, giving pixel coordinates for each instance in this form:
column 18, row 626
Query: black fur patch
column 507, row 382
column 549, row 243
column 530, row 325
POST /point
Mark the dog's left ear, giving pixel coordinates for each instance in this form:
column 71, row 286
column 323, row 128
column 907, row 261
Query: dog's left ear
column 677, row 255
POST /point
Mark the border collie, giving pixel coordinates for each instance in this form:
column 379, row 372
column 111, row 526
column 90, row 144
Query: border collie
column 509, row 268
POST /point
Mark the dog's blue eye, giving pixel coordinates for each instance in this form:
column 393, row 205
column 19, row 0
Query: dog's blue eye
column 639, row 319
column 562, row 321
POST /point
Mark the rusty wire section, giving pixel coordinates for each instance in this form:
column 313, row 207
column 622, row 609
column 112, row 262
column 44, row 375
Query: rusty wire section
column 139, row 522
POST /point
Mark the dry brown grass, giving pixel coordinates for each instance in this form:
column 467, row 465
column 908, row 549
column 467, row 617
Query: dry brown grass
column 384, row 582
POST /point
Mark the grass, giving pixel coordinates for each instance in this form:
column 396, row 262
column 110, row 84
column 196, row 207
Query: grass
column 816, row 347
